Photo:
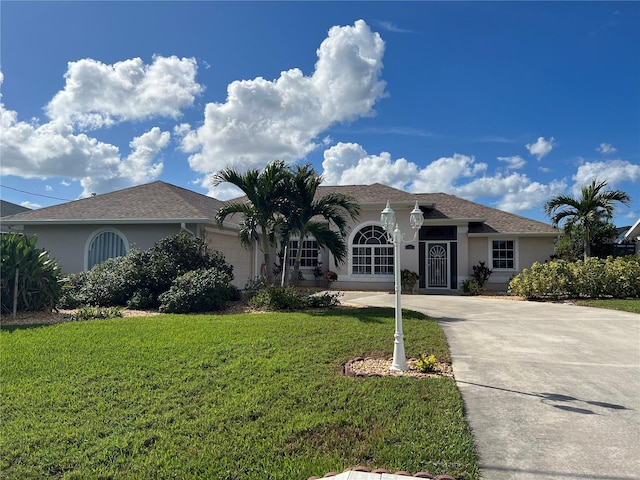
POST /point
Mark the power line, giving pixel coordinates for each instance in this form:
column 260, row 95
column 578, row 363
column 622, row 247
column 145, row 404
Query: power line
column 35, row 194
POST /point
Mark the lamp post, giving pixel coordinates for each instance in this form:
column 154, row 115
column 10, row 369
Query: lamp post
column 395, row 236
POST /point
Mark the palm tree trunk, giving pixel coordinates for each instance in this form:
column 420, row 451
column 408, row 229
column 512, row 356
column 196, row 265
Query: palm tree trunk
column 587, row 242
column 296, row 264
column 267, row 256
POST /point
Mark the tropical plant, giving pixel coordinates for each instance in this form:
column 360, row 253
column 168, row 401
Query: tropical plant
column 570, row 245
column 28, row 274
column 139, row 278
column 308, row 215
column 594, row 206
column 260, row 211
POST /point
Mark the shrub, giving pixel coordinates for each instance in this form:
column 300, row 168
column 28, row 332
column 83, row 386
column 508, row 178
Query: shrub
column 471, row 287
column 93, row 313
column 481, row 274
column 199, row 291
column 408, row 279
column 39, row 283
column 277, row 298
column 611, row 277
column 110, row 283
column 139, row 278
column 426, row 364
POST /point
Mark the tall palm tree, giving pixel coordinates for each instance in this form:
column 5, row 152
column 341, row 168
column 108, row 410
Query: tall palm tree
column 308, row 216
column 264, row 191
column 592, row 208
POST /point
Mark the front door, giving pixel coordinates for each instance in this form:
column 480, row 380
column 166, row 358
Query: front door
column 437, row 264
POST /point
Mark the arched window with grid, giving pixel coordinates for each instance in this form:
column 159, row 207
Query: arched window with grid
column 371, row 252
column 105, row 244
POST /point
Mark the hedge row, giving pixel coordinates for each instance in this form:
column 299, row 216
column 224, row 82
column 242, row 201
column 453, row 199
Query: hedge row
column 594, row 278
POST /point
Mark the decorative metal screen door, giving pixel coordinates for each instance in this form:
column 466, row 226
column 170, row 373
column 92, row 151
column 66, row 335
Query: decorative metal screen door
column 437, row 276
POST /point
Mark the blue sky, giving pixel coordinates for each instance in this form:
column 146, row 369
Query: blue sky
column 504, row 103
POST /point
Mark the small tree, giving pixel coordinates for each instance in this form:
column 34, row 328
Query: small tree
column 593, row 207
column 38, row 276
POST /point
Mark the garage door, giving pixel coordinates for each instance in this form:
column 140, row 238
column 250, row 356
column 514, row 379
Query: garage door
column 234, row 254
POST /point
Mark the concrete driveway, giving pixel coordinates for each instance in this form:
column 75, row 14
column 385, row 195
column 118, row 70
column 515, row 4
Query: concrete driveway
column 552, row 391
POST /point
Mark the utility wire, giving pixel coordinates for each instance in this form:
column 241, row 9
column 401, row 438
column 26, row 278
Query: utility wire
column 36, row 194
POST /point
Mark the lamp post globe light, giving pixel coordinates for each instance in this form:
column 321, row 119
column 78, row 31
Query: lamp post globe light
column 395, row 236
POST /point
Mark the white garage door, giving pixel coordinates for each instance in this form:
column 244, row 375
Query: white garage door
column 234, row 254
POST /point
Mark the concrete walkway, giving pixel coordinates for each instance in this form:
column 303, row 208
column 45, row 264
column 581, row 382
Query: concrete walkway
column 551, row 391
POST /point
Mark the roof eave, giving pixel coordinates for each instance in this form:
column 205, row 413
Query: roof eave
column 112, row 221
column 514, row 234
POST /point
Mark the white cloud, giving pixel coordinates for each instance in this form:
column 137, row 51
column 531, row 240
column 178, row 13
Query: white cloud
column 64, row 183
column 264, row 120
column 531, row 195
column 48, row 188
column 541, row 148
column 349, row 164
column 461, row 175
column 513, row 163
column 53, row 150
column 31, row 205
column 611, row 171
column 606, row 148
column 97, row 95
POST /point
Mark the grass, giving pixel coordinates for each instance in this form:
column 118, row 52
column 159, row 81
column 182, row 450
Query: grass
column 628, row 305
column 224, row 397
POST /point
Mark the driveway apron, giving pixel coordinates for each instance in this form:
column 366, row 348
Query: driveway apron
column 551, row 390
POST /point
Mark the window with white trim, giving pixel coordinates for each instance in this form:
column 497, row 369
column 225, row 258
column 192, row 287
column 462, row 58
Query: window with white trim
column 309, row 257
column 503, row 254
column 371, row 253
column 105, row 245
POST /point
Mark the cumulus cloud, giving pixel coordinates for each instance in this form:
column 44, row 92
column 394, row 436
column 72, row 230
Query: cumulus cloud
column 611, row 171
column 53, row 150
column 606, row 149
column 98, row 95
column 349, row 164
column 263, row 120
column 541, row 148
column 461, row 175
column 513, row 163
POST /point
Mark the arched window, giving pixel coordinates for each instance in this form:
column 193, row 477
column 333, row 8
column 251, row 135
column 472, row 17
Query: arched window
column 105, row 244
column 371, row 253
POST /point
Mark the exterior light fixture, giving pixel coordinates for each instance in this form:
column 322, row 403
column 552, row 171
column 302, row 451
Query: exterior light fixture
column 395, row 236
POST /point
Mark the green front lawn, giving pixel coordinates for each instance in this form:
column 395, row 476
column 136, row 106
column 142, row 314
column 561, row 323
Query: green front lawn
column 628, row 305
column 225, row 397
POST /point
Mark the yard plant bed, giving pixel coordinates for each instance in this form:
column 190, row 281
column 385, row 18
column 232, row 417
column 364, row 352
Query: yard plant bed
column 224, row 396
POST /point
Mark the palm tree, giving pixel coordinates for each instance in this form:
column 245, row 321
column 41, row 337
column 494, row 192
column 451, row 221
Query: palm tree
column 308, row 216
column 260, row 211
column 594, row 207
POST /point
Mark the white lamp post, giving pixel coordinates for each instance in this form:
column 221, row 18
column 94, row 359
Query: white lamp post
column 395, row 236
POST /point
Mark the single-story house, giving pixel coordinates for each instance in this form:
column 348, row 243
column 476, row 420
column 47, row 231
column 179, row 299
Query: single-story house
column 633, row 234
column 8, row 208
column 456, row 235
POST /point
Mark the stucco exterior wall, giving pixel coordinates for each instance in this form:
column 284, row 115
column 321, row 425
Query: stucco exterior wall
column 68, row 243
column 227, row 243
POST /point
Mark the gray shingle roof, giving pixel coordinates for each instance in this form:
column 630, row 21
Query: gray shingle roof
column 442, row 206
column 8, row 208
column 160, row 202
column 153, row 202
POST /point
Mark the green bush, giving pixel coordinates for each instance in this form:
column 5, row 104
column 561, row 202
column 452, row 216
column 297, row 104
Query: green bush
column 93, row 313
column 471, row 287
column 199, row 291
column 426, row 364
column 481, row 274
column 139, row 278
column 596, row 278
column 39, row 283
column 278, row 298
